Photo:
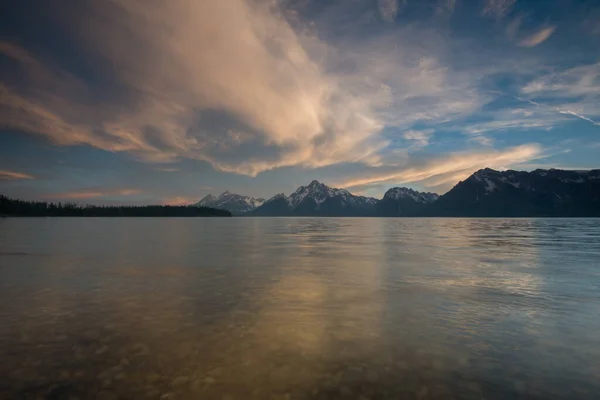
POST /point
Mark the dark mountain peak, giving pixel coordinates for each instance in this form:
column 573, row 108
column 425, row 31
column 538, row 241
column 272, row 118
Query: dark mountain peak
column 315, row 184
column 276, row 197
column 316, row 198
column 542, row 192
column 486, row 172
column 399, row 189
column 564, row 172
column 397, row 193
column 235, row 203
column 314, row 190
column 207, row 199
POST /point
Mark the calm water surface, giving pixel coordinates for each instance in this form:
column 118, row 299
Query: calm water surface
column 299, row 308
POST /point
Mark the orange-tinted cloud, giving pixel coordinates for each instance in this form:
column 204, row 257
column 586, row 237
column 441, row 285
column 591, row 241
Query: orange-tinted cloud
column 443, row 173
column 13, row 176
column 538, row 37
column 86, row 194
column 179, row 201
column 274, row 80
column 91, row 194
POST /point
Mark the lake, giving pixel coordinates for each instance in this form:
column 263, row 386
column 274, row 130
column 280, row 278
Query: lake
column 299, row 308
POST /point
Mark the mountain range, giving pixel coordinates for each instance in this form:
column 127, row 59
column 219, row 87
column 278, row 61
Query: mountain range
column 486, row 193
column 234, row 203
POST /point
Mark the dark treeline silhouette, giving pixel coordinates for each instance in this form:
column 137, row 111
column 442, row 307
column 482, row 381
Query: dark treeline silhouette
column 12, row 207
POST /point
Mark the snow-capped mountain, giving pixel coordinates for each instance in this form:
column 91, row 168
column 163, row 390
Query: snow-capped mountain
column 486, row 193
column 398, row 193
column 318, row 199
column 401, row 201
column 235, row 203
column 550, row 192
column 277, row 205
column 320, row 193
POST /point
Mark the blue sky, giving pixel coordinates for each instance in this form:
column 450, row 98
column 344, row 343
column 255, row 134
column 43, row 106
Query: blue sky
column 126, row 101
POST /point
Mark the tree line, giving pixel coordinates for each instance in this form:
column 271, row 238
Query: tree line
column 13, row 207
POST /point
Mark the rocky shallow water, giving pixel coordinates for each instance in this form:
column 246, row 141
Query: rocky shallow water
column 299, row 308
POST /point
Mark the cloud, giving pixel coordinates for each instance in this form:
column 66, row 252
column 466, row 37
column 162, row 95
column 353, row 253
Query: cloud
column 420, row 139
column 497, row 8
column 591, row 21
column 517, row 119
column 444, row 172
column 13, row 176
column 234, row 83
column 86, row 194
column 179, row 201
column 445, row 7
column 537, row 37
column 91, row 194
column 482, row 140
column 493, row 122
column 126, row 192
column 569, row 112
column 573, row 91
column 388, row 9
column 288, row 98
column 258, row 70
column 512, row 28
column 583, row 80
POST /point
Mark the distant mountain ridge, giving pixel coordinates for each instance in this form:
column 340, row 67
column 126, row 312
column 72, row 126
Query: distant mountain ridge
column 234, row 203
column 486, row 193
column 318, row 199
column 401, row 201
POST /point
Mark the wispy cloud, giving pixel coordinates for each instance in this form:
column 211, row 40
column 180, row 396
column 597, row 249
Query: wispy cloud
column 444, row 172
column 388, row 9
column 445, row 7
column 582, row 80
column 591, row 20
column 179, row 201
column 519, row 119
column 583, row 117
column 539, row 37
column 126, row 192
column 91, row 194
column 86, row 194
column 482, row 140
column 419, row 139
column 497, row 8
column 574, row 91
column 14, row 176
column 512, row 28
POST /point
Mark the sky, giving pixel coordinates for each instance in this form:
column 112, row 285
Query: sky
column 155, row 101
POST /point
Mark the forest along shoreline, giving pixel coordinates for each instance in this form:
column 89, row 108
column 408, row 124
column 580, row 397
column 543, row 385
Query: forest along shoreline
column 20, row 208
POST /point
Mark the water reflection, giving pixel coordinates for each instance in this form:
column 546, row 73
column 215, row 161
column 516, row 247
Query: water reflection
column 297, row 308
